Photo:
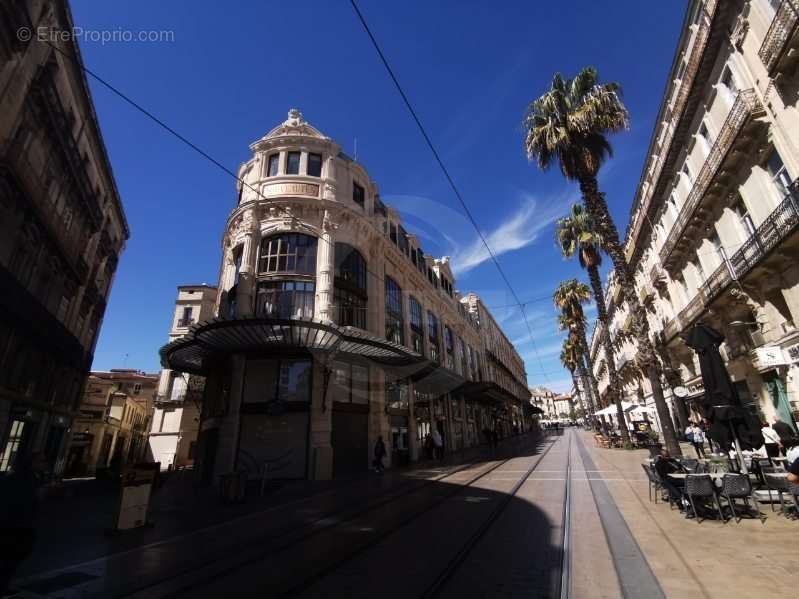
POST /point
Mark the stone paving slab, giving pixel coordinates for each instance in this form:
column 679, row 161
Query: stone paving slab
column 711, row 559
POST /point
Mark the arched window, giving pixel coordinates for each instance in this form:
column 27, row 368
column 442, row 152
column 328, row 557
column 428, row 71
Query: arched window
column 349, row 289
column 289, row 253
column 293, row 254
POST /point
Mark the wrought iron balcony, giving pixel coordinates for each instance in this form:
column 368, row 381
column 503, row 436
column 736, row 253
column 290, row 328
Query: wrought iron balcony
column 781, row 223
column 782, row 29
column 746, row 105
column 185, row 322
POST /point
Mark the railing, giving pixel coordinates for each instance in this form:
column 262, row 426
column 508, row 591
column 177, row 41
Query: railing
column 780, row 31
column 779, row 225
column 185, row 322
column 746, row 104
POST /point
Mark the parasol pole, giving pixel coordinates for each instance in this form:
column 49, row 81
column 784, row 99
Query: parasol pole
column 738, row 452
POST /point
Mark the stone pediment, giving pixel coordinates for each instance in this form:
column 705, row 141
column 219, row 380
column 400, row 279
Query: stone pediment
column 294, row 125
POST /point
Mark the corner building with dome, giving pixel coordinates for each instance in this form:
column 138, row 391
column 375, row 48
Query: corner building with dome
column 332, row 327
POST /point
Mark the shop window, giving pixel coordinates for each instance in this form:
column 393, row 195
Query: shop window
column 274, row 163
column 293, row 163
column 289, row 253
column 271, row 381
column 314, row 168
column 285, row 299
column 13, row 444
column 395, row 324
column 397, row 395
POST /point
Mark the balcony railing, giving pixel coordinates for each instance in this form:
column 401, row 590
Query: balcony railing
column 185, row 322
column 746, row 104
column 781, row 223
column 782, row 29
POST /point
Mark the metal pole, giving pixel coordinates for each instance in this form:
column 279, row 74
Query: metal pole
column 740, row 455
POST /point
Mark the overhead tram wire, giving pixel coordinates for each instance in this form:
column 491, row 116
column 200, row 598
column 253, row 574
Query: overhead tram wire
column 448, row 177
column 197, row 149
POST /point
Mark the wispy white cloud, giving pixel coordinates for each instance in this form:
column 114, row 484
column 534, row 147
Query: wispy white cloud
column 520, row 230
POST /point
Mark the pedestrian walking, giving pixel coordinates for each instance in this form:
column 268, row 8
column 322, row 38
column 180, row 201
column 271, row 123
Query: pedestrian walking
column 19, row 498
column 771, row 440
column 380, row 453
column 438, row 445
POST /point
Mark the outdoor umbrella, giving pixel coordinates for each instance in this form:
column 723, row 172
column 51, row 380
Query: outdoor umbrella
column 721, row 404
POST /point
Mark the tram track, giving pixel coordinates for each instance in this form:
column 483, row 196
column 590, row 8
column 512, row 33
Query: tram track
column 438, row 584
column 179, row 583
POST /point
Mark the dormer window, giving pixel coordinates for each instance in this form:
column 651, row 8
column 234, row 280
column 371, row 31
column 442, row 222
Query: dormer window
column 274, row 163
column 293, row 163
column 359, row 195
column 314, row 165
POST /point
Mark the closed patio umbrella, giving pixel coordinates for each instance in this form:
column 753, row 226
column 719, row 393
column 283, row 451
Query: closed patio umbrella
column 729, row 422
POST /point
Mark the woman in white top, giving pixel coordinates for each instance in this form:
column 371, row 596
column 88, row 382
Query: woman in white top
column 771, row 439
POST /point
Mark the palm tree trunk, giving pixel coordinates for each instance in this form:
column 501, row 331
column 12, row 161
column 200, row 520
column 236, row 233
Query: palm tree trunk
column 579, row 396
column 614, row 386
column 586, row 388
column 647, row 361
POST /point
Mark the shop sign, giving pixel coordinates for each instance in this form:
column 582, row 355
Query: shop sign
column 769, row 357
column 304, row 189
column 792, row 354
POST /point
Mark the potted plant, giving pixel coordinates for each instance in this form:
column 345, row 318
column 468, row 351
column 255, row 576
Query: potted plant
column 653, row 443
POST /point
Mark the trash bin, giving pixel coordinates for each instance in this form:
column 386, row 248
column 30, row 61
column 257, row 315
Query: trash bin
column 232, row 487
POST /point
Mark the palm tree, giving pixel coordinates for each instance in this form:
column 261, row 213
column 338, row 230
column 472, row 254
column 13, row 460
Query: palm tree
column 569, row 297
column 577, row 235
column 568, row 125
column 570, row 358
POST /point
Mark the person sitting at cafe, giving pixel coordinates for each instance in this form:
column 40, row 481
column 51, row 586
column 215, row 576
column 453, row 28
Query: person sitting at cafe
column 664, row 466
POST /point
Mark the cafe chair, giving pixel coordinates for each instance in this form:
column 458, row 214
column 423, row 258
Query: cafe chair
column 779, row 485
column 654, row 481
column 690, row 464
column 738, row 486
column 701, row 486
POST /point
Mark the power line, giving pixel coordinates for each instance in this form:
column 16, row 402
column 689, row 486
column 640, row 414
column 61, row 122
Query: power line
column 192, row 145
column 447, row 175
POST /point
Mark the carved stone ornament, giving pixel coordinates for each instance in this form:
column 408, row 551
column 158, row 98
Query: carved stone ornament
column 739, row 31
column 327, row 222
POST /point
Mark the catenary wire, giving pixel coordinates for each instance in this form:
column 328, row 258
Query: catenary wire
column 202, row 152
column 448, row 177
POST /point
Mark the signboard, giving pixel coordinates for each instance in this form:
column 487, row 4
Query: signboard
column 792, row 353
column 290, row 189
column 680, row 391
column 137, row 483
column 769, row 357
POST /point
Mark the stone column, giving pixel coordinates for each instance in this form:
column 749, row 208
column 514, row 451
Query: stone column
column 320, row 466
column 244, row 293
column 329, row 192
column 325, row 267
column 225, row 459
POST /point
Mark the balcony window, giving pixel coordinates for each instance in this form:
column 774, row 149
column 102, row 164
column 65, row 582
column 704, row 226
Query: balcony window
column 285, row 299
column 392, row 232
column 314, row 168
column 186, row 319
column 293, row 163
column 289, row 253
column 395, row 324
column 432, row 336
column 402, row 240
column 417, row 326
column 350, row 295
column 744, row 219
column 359, row 195
column 449, row 342
column 274, row 163
column 779, row 175
column 728, row 84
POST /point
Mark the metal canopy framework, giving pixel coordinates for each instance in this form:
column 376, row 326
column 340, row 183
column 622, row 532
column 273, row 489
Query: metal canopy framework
column 209, row 341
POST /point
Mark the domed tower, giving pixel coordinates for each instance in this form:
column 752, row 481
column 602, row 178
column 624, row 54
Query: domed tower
column 330, row 323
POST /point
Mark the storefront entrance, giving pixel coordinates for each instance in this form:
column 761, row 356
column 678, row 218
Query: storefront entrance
column 350, row 439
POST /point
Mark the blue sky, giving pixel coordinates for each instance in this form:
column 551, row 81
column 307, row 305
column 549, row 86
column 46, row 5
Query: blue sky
column 470, row 68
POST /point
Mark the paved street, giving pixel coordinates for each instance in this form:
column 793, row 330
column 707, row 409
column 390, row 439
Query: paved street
column 488, row 527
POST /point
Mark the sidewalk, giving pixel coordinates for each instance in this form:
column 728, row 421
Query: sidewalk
column 75, row 519
column 711, row 559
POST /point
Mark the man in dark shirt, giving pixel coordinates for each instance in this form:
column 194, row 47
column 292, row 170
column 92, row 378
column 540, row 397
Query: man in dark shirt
column 664, row 466
column 783, row 429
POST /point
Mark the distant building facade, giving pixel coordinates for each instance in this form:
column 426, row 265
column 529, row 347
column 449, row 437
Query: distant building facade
column 714, row 227
column 62, row 230
column 333, row 327
column 114, row 422
column 176, row 421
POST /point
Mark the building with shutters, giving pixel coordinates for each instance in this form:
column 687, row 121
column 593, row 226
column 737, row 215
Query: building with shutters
column 62, row 231
column 713, row 235
column 332, row 327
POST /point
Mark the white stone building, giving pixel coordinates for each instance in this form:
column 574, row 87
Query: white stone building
column 176, row 420
column 334, row 327
column 713, row 229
